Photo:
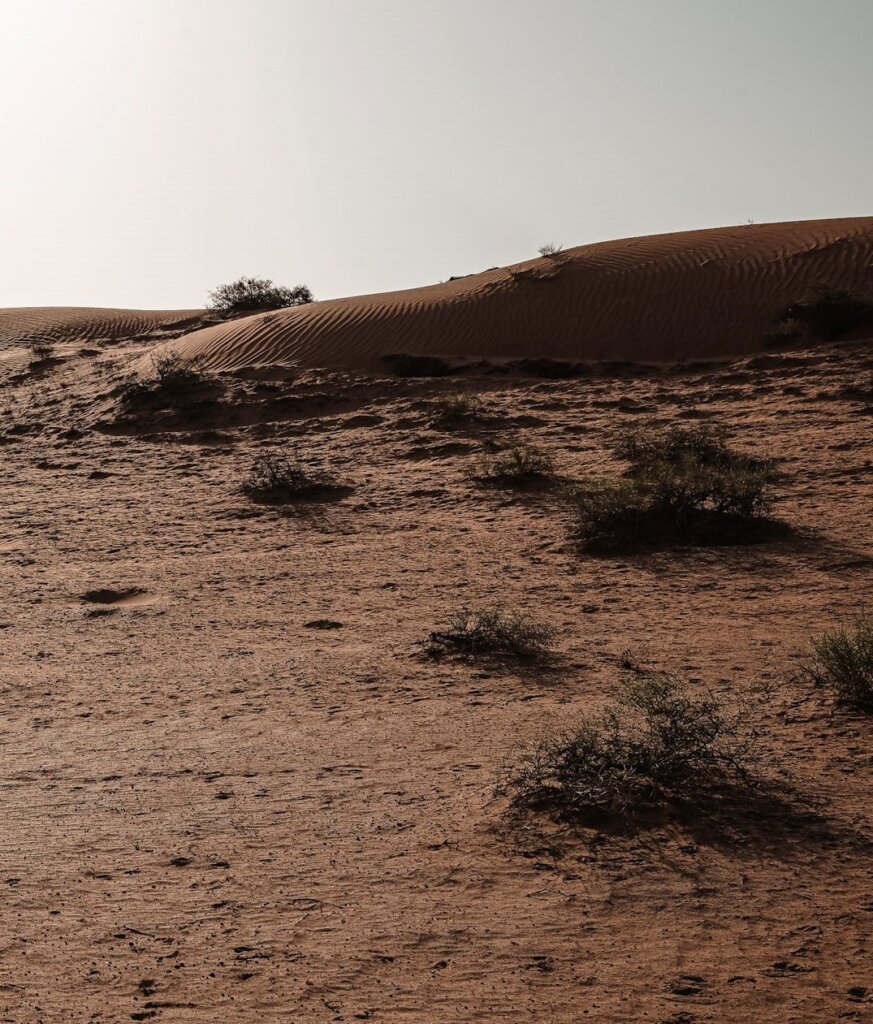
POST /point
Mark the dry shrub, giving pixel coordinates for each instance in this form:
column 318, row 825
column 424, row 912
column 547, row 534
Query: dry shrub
column 279, row 479
column 520, row 467
column 249, row 295
column 843, row 661
column 175, row 382
column 683, row 483
column 655, row 743
column 491, row 632
column 456, row 409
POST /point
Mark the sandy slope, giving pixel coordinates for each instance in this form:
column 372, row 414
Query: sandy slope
column 58, row 324
column 213, row 812
column 679, row 296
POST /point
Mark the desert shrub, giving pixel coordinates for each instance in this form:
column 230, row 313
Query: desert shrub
column 278, row 479
column 843, row 661
column 683, row 483
column 645, row 445
column 175, row 381
column 829, row 313
column 253, row 294
column 519, row 467
column 40, row 350
column 451, row 410
column 654, row 743
column 492, row 632
column 406, row 365
column 550, row 250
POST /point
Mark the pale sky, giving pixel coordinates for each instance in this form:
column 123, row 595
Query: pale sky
column 152, row 149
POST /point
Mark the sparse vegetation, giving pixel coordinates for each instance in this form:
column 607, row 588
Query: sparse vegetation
column 249, row 295
column 175, row 382
column 828, row 313
column 684, row 483
column 520, row 467
column 275, row 479
column 843, row 661
column 492, row 632
column 41, row 351
column 550, row 250
column 455, row 409
column 657, row 742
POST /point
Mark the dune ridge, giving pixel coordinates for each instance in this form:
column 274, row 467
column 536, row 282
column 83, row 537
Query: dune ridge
column 57, row 324
column 661, row 298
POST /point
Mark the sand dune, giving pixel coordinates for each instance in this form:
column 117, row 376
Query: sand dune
column 688, row 295
column 58, row 324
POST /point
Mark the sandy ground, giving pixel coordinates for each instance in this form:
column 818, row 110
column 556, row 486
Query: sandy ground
column 215, row 812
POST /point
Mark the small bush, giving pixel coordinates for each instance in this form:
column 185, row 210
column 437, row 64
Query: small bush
column 519, row 467
column 253, row 294
column 279, row 479
column 452, row 410
column 175, row 382
column 550, row 250
column 683, row 483
column 41, row 351
column 829, row 313
column 647, row 445
column 492, row 632
column 843, row 661
column 655, row 743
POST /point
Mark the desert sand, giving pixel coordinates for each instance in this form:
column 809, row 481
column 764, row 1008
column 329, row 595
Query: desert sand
column 690, row 295
column 234, row 789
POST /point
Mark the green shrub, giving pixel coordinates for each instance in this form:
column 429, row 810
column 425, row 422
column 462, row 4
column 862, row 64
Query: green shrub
column 519, row 467
column 491, row 632
column 175, row 381
column 655, row 743
column 249, row 295
column 683, row 483
column 843, row 661
column 279, row 479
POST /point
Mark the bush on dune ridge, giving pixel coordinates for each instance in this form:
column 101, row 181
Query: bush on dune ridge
column 254, row 294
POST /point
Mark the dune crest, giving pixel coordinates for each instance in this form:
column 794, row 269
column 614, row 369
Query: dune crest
column 20, row 326
column 689, row 295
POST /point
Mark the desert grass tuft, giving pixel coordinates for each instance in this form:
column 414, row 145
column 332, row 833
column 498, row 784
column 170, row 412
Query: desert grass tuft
column 454, row 410
column 492, row 632
column 519, row 468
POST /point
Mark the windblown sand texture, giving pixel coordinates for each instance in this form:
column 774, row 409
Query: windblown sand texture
column 234, row 791
column 57, row 324
column 696, row 294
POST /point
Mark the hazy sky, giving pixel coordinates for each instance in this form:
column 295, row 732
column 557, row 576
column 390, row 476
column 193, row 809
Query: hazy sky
column 152, row 149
